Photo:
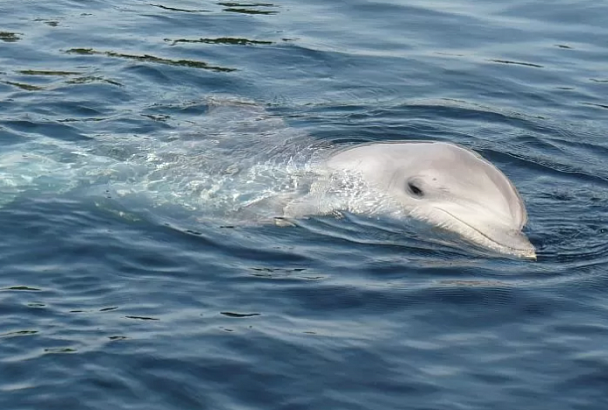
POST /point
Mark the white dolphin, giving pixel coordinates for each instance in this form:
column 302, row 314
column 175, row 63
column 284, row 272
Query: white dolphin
column 279, row 172
column 440, row 183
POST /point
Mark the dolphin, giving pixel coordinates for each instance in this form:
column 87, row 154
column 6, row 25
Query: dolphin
column 439, row 183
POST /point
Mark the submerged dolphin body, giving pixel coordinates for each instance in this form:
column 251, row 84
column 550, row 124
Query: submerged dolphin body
column 442, row 184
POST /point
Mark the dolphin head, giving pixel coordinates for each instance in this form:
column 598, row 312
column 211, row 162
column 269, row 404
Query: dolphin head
column 456, row 189
column 449, row 187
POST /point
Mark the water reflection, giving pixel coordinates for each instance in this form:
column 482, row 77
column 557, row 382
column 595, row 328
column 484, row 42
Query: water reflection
column 48, row 72
column 248, row 8
column 24, row 86
column 151, row 59
column 516, row 63
column 180, row 10
column 221, row 40
column 9, row 37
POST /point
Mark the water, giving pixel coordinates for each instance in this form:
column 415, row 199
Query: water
column 125, row 285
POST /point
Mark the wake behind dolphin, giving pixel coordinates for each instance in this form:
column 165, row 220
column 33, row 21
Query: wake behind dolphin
column 243, row 165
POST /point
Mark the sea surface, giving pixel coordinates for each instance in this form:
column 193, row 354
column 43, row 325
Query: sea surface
column 130, row 130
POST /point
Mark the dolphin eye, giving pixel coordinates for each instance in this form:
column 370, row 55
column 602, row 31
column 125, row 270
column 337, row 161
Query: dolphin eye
column 415, row 189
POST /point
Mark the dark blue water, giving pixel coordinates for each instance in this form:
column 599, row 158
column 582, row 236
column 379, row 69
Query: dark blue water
column 120, row 288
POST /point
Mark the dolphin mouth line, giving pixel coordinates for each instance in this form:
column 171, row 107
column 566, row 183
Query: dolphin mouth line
column 493, row 241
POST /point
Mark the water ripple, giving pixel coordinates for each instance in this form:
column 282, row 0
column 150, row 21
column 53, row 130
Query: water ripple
column 123, row 286
column 150, row 58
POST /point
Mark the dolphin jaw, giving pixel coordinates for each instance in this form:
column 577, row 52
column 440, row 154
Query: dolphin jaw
column 479, row 228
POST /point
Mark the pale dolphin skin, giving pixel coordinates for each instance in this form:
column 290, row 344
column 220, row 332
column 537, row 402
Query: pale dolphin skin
column 440, row 183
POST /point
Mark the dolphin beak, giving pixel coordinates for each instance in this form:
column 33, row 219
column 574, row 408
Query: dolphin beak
column 532, row 256
column 527, row 250
column 484, row 232
column 508, row 242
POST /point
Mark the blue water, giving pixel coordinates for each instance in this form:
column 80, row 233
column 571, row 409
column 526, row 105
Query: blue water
column 123, row 284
